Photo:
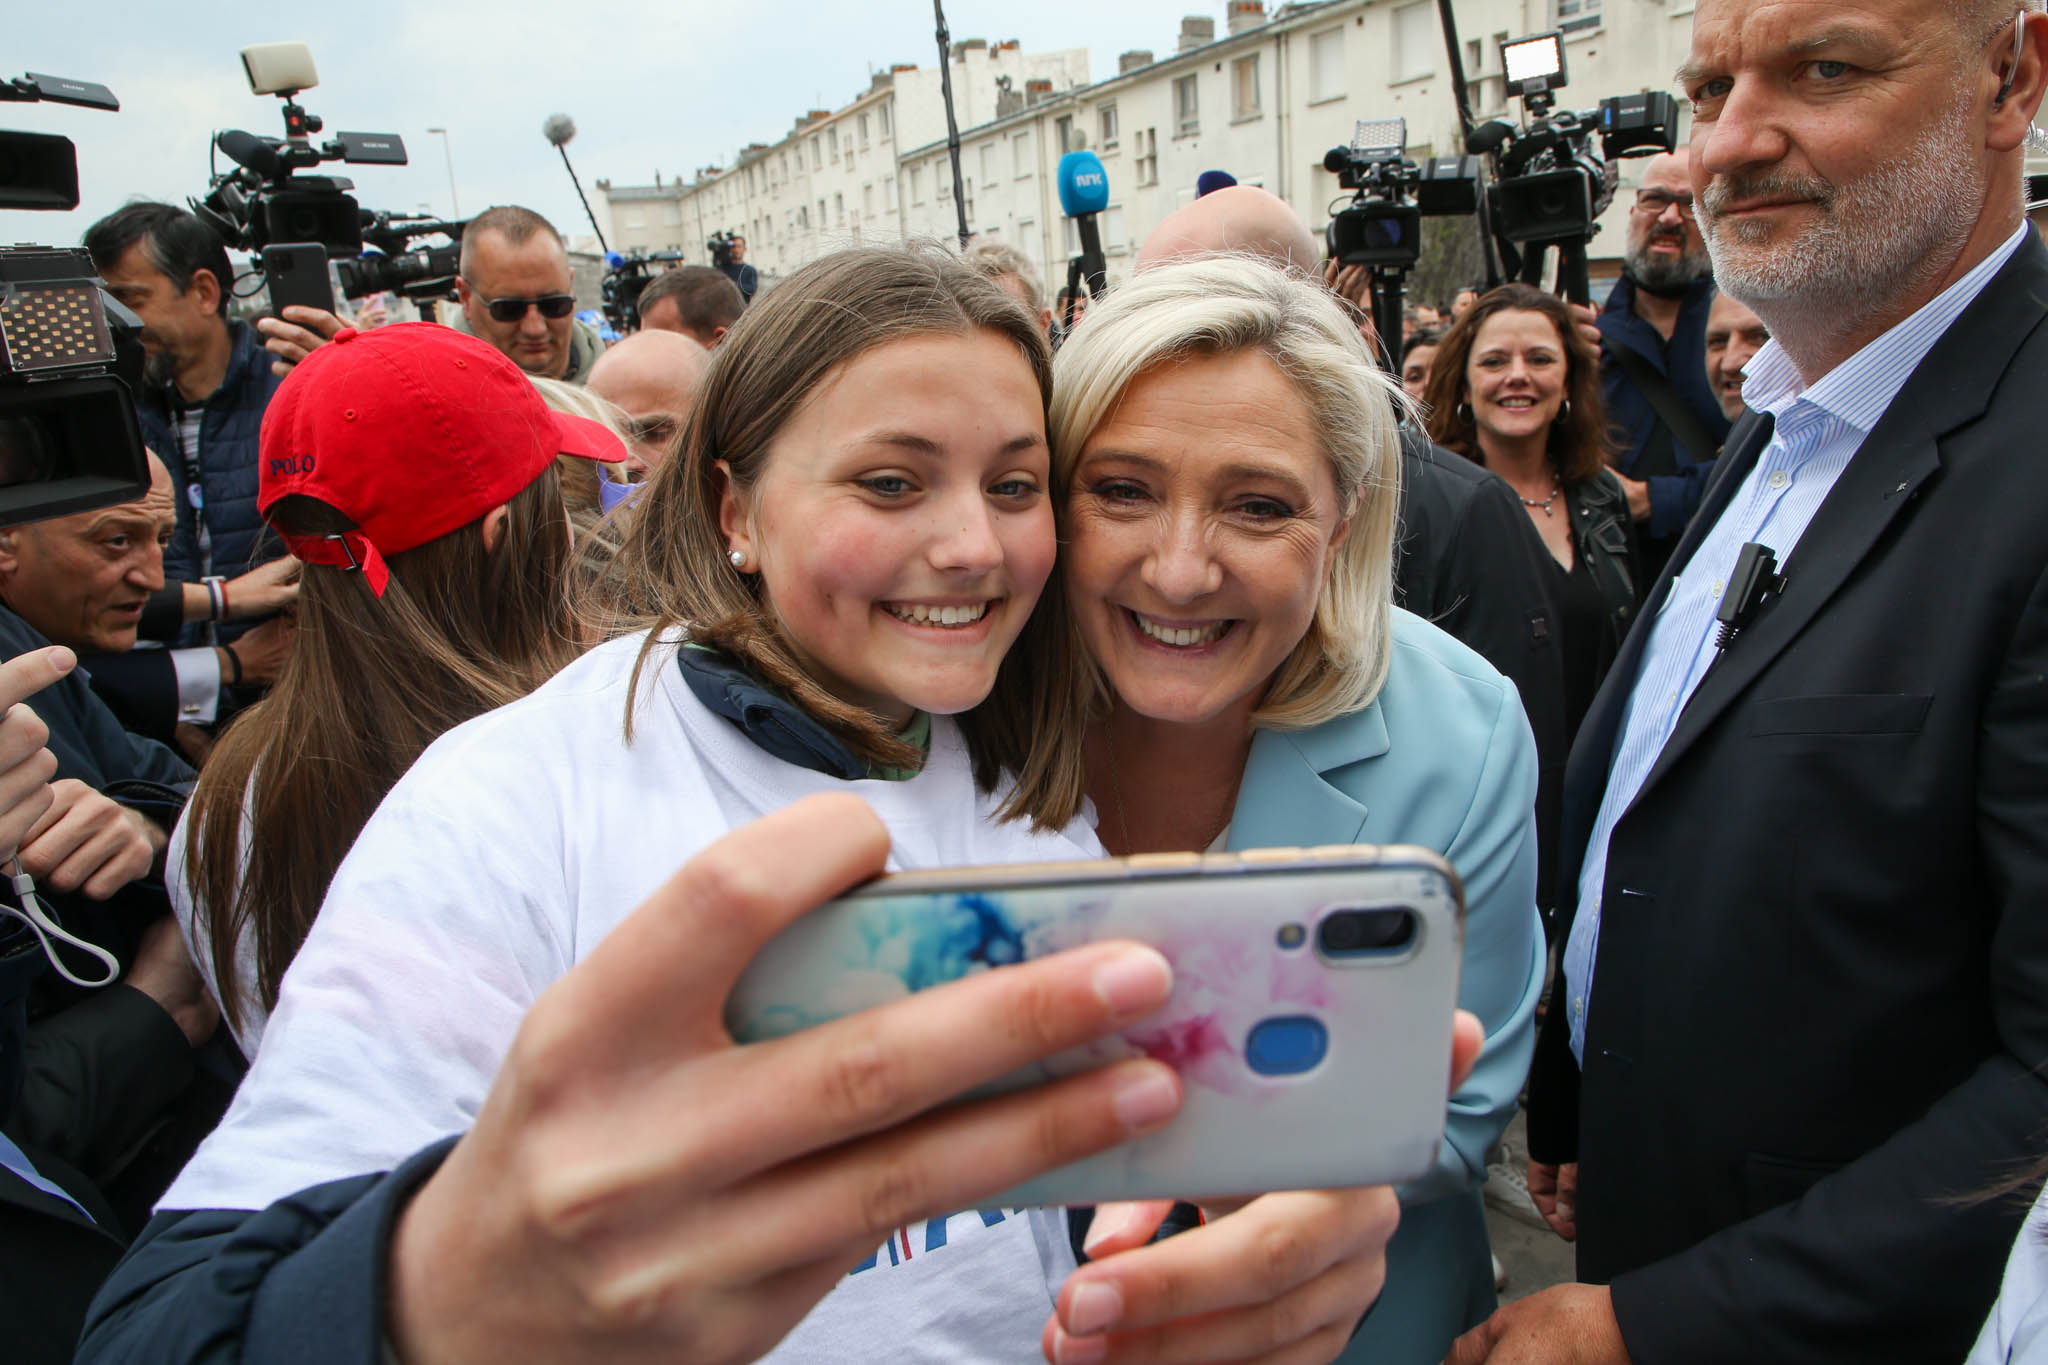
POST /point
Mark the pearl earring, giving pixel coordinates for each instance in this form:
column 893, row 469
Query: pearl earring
column 739, row 560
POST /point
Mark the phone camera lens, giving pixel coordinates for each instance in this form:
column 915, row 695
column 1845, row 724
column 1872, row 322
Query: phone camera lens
column 1357, row 933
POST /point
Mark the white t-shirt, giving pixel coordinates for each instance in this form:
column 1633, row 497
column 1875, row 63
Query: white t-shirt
column 248, row 1033
column 2016, row 1333
column 507, row 852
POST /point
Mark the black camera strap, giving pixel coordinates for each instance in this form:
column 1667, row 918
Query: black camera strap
column 1680, row 420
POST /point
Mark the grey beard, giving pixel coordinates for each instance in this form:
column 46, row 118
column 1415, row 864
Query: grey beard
column 1689, row 268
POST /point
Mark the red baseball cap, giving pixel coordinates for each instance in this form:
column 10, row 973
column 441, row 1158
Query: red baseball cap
column 410, row 431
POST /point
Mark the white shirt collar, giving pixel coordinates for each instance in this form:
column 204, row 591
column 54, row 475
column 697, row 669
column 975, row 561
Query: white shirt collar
column 1860, row 388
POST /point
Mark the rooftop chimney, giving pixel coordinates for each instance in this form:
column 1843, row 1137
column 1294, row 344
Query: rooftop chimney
column 1245, row 14
column 1036, row 89
column 1196, row 30
column 1131, row 61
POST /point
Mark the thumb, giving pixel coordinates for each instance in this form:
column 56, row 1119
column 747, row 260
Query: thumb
column 1119, row 1227
column 671, row 964
column 24, row 675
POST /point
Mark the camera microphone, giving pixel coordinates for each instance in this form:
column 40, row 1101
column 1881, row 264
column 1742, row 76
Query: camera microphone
column 559, row 129
column 246, row 149
column 1488, row 137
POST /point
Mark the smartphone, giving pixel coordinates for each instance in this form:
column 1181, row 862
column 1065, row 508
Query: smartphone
column 1310, row 1017
column 297, row 273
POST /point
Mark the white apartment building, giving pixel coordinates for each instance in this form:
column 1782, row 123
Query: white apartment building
column 832, row 180
column 1264, row 101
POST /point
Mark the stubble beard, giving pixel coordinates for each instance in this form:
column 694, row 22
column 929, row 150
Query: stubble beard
column 1880, row 237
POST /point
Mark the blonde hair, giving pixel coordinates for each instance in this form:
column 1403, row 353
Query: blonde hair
column 595, row 539
column 1221, row 305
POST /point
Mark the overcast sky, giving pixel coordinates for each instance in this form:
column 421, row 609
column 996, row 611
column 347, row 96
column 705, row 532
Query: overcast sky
column 664, row 85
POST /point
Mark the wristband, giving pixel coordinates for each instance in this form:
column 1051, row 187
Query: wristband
column 234, row 666
column 217, row 594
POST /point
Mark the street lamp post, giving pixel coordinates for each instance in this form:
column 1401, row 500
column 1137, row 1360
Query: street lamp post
column 448, row 148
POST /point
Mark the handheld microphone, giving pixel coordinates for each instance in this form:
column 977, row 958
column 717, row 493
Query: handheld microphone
column 1084, row 194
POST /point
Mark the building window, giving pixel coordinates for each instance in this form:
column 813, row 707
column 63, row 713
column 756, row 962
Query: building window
column 671, row 214
column 1148, row 156
column 867, row 200
column 1105, row 119
column 917, row 184
column 944, row 181
column 888, row 193
column 1064, row 127
column 1244, row 87
column 849, row 149
column 1187, row 107
column 839, row 209
column 835, row 151
column 1326, row 65
column 636, row 218
column 883, row 114
column 1020, row 154
column 817, row 156
column 1578, row 13
column 988, row 163
column 822, row 219
column 863, row 130
column 803, row 217
column 1415, row 40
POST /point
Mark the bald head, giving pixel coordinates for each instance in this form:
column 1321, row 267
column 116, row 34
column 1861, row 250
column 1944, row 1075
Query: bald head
column 1240, row 218
column 652, row 376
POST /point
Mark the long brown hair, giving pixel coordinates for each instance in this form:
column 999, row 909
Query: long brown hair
column 371, row 682
column 1579, row 441
column 786, row 344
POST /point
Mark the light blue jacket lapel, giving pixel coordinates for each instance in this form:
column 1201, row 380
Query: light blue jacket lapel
column 1277, row 808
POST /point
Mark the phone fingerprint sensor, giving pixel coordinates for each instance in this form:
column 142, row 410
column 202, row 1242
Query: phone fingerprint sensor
column 1286, row 1046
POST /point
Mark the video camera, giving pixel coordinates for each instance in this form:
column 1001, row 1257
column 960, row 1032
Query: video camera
column 1381, row 228
column 720, row 247
column 70, row 355
column 422, row 274
column 628, row 275
column 265, row 200
column 1556, row 176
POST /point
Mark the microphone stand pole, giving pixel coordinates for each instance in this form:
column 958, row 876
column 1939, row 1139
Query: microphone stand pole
column 564, row 150
column 952, row 127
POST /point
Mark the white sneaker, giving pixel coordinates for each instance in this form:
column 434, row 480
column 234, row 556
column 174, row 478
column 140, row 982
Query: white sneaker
column 1500, row 1276
column 1507, row 1189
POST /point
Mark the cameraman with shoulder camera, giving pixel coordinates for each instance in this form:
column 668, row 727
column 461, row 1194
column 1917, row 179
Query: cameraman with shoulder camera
column 515, row 287
column 1667, row 422
column 729, row 254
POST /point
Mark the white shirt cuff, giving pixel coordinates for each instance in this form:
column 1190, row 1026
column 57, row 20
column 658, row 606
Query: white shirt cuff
column 198, row 673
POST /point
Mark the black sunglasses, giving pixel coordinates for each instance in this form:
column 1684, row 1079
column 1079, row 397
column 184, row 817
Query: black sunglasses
column 512, row 310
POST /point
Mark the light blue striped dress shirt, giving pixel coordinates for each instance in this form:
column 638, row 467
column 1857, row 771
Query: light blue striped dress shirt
column 1818, row 431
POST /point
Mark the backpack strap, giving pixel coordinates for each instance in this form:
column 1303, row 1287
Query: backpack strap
column 1680, row 420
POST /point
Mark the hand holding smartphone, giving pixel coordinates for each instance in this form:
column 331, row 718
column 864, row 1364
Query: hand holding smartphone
column 1310, row 1019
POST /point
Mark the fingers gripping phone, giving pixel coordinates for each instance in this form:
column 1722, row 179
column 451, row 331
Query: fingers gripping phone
column 297, row 273
column 1310, row 1018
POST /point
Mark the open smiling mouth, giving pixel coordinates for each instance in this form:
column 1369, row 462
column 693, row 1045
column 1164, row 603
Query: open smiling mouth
column 955, row 616
column 1180, row 637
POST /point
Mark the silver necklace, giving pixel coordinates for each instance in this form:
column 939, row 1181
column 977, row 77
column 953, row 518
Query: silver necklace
column 1544, row 504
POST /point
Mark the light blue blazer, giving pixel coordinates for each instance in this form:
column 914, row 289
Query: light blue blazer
column 1442, row 758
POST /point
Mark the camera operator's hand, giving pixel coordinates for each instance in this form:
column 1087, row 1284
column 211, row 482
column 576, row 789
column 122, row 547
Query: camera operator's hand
column 88, row 842
column 1353, row 284
column 163, row 971
column 374, row 314
column 639, row 1188
column 293, row 335
column 1588, row 319
column 26, row 766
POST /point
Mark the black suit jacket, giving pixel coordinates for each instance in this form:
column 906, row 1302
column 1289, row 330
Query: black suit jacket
column 1467, row 560
column 1821, row 993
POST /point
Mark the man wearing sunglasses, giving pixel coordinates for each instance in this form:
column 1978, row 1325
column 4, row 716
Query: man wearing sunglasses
column 1666, row 421
column 515, row 286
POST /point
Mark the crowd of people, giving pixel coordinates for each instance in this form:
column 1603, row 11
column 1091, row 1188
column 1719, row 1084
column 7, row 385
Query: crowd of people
column 410, row 773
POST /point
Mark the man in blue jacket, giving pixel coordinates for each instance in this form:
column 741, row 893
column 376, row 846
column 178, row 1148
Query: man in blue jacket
column 209, row 381
column 1667, row 423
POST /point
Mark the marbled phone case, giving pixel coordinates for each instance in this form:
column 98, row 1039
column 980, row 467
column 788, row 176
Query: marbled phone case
column 1370, row 1111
